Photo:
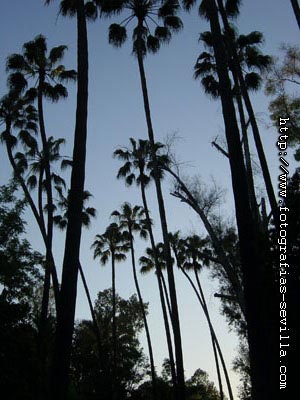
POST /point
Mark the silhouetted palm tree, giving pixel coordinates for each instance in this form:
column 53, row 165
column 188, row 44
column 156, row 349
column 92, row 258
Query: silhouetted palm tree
column 163, row 14
column 138, row 158
column 111, row 245
column 253, row 259
column 62, row 349
column 132, row 220
column 251, row 60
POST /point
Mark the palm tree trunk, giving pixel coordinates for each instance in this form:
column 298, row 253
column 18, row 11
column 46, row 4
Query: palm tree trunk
column 65, row 325
column 248, row 163
column 213, row 333
column 161, row 293
column 46, row 287
column 252, row 260
column 153, row 374
column 296, row 10
column 164, row 226
column 114, row 326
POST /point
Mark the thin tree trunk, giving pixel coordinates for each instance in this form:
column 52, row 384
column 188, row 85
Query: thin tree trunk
column 252, row 261
column 153, row 374
column 171, row 280
column 65, row 325
column 296, row 10
column 205, row 309
column 248, row 163
column 114, row 326
column 161, row 293
column 46, row 154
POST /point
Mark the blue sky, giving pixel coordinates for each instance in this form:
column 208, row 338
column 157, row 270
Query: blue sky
column 116, row 113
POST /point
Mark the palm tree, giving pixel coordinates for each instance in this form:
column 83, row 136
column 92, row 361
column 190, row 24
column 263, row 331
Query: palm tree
column 237, row 70
column 111, row 244
column 65, row 326
column 132, row 220
column 138, row 158
column 251, row 60
column 48, row 74
column 146, row 13
column 253, row 261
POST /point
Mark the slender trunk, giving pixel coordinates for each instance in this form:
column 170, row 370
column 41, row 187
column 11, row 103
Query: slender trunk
column 65, row 325
column 248, row 163
column 46, row 155
column 237, row 71
column 164, row 226
column 252, row 260
column 153, row 374
column 92, row 311
column 216, row 342
column 114, row 326
column 161, row 293
column 296, row 10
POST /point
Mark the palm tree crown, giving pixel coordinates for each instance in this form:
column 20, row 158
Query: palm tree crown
column 161, row 14
column 35, row 63
column 110, row 243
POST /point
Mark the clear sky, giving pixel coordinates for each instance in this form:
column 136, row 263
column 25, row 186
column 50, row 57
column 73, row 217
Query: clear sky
column 116, row 113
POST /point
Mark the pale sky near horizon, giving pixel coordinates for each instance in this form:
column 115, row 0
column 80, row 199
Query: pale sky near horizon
column 116, row 113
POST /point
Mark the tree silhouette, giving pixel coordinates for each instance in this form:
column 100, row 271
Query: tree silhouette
column 111, row 244
column 163, row 14
column 138, row 158
column 132, row 220
column 62, row 350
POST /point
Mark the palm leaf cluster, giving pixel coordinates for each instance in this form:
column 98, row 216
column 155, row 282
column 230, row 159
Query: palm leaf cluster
column 156, row 20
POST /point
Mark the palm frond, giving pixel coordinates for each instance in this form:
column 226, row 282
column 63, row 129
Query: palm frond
column 117, row 35
column 153, row 44
column 173, row 22
column 57, row 53
column 32, row 182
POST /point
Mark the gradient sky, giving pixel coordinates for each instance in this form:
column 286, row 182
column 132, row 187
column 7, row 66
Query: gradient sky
column 116, row 113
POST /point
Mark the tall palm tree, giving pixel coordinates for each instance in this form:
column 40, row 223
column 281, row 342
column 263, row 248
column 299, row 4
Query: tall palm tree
column 138, row 158
column 237, row 71
column 48, row 74
column 253, row 260
column 163, row 14
column 111, row 244
column 64, row 332
column 132, row 220
column 251, row 60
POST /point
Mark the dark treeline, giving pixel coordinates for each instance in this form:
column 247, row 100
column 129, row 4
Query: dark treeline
column 45, row 353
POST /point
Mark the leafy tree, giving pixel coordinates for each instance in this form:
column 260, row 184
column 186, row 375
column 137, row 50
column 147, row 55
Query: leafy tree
column 21, row 375
column 199, row 387
column 279, row 82
column 88, row 380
